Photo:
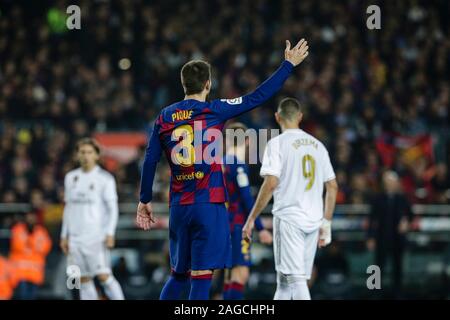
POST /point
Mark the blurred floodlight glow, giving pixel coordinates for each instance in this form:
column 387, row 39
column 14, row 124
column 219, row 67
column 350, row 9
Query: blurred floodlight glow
column 124, row 64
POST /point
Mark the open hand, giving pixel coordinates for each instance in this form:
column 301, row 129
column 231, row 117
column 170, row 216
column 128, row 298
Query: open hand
column 144, row 215
column 325, row 233
column 64, row 245
column 110, row 242
column 298, row 53
column 247, row 230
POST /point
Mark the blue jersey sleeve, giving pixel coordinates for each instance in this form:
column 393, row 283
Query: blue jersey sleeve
column 246, row 194
column 152, row 156
column 230, row 108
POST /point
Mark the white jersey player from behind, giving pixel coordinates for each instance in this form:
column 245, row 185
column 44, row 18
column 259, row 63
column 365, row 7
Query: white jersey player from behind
column 89, row 222
column 295, row 168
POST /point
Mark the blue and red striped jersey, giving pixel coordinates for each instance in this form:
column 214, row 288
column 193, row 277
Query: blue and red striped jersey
column 182, row 131
column 191, row 181
column 240, row 200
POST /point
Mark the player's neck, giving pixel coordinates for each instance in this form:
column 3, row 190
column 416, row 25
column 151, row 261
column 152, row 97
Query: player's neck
column 198, row 96
column 289, row 126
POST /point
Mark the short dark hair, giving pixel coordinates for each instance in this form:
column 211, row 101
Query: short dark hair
column 88, row 141
column 237, row 126
column 194, row 75
column 288, row 107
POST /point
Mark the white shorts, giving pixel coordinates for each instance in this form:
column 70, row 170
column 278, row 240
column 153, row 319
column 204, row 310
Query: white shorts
column 294, row 250
column 92, row 259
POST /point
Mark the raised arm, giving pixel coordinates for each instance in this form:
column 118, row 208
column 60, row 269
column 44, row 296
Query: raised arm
column 230, row 108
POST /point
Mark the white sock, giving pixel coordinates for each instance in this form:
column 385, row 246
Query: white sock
column 88, row 291
column 113, row 289
column 283, row 289
column 300, row 290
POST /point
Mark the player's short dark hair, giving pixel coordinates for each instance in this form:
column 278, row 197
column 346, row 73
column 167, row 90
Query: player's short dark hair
column 88, row 141
column 288, row 108
column 236, row 126
column 194, row 75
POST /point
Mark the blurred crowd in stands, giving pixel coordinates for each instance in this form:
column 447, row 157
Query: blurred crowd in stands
column 122, row 67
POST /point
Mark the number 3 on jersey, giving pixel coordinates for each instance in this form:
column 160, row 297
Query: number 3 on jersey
column 185, row 155
column 309, row 170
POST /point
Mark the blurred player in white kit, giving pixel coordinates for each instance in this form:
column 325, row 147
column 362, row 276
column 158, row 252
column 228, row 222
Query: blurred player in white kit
column 89, row 222
column 295, row 168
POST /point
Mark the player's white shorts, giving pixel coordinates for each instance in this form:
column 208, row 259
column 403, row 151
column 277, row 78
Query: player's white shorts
column 294, row 250
column 92, row 259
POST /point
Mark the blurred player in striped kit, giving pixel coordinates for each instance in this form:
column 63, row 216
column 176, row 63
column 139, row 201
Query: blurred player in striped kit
column 239, row 205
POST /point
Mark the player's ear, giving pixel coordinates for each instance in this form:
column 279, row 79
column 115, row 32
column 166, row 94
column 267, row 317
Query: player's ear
column 277, row 117
column 208, row 85
column 300, row 117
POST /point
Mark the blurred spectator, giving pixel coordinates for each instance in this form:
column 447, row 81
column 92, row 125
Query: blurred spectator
column 38, row 205
column 389, row 221
column 122, row 67
column 6, row 280
column 30, row 244
column 441, row 184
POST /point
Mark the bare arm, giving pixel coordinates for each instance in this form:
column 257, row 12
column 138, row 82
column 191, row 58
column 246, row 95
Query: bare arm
column 330, row 198
column 264, row 196
column 330, row 203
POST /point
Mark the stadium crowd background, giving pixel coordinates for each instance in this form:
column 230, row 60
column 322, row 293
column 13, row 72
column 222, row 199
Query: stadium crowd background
column 360, row 87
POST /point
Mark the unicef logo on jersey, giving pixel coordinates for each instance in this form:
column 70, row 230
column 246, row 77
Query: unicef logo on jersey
column 232, row 101
column 190, row 176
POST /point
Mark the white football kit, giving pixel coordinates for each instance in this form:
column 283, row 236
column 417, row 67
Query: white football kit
column 302, row 165
column 90, row 214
